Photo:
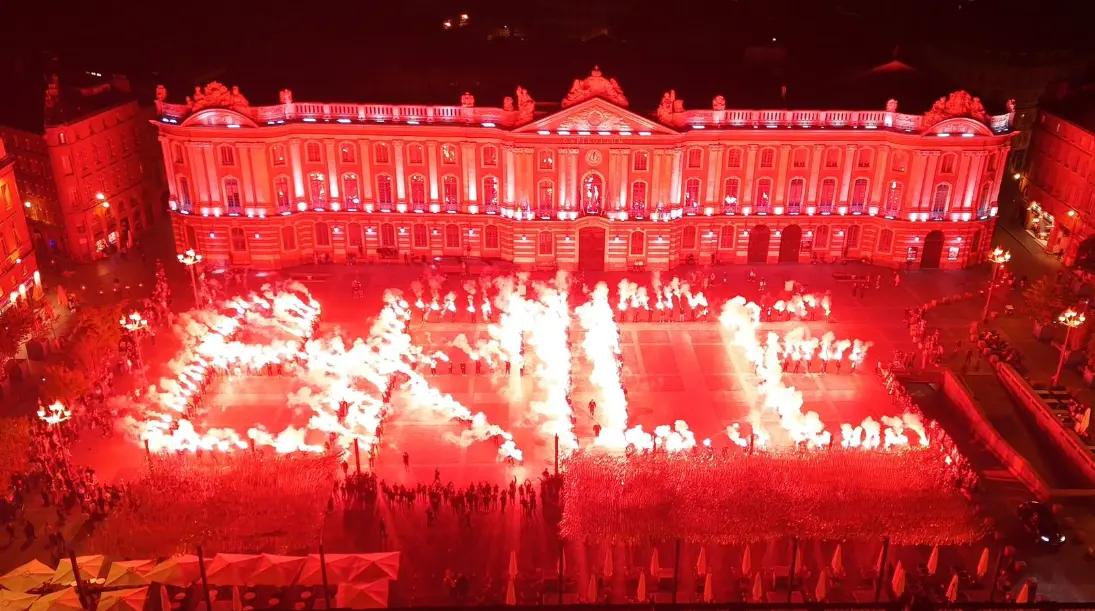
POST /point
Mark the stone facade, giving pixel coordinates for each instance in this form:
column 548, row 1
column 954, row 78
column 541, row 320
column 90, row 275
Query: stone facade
column 19, row 277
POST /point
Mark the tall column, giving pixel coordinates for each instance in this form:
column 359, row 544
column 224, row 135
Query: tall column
column 973, row 179
column 916, row 180
column 750, row 175
column 510, row 173
column 880, row 169
column 995, row 193
column 333, row 184
column 431, row 162
column 563, row 188
column 246, row 177
column 170, row 169
column 572, row 172
column 525, row 177
column 260, row 173
column 815, row 171
column 298, row 172
column 675, row 181
column 781, row 173
column 959, row 196
column 199, row 191
column 366, row 174
column 653, row 195
column 714, row 165
column 846, row 178
column 400, row 179
column 929, row 181
column 212, row 179
column 624, row 170
column 467, row 156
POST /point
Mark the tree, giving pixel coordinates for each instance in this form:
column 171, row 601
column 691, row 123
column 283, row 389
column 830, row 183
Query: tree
column 16, row 324
column 1085, row 256
column 63, row 383
column 1046, row 298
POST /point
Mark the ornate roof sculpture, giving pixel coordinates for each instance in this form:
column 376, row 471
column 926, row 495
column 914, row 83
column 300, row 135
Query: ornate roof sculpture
column 595, row 86
column 216, row 95
column 957, row 104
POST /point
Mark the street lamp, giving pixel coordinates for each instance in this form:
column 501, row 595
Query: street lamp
column 190, row 259
column 998, row 256
column 1070, row 319
column 135, row 323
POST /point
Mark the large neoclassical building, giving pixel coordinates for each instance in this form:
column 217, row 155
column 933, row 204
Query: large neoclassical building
column 590, row 185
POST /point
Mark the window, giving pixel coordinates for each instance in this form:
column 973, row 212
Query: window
column 414, row 154
column 421, row 237
column 232, row 195
column 448, row 154
column 640, row 161
column 490, row 194
column 638, row 198
column 351, row 192
column 984, row 199
column 313, row 153
column 764, row 194
column 688, row 237
column 490, row 156
column 288, row 238
column 281, row 193
column 381, row 153
column 346, row 152
column 885, row 241
column 452, row 236
column 418, row 191
column 317, row 188
column 900, row 161
column 638, row 243
column 939, row 201
column 859, row 195
column 795, row 195
column 387, row 235
column 726, row 237
column 547, row 160
column 695, row 157
column 547, row 243
column 946, row 165
column 323, row 235
column 176, row 153
column 828, row 194
column 277, row 154
column 730, row 190
column 893, row 199
column 821, row 236
column 832, row 157
column 545, row 198
column 239, row 239
column 490, row 237
column 450, row 193
column 863, row 158
column 228, row 156
column 592, row 188
column 852, row 241
column 767, row 157
column 692, row 195
column 354, row 234
column 184, row 194
column 384, row 189
column 800, row 157
column 733, row 158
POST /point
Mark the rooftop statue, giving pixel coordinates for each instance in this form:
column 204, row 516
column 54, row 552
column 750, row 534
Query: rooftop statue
column 719, row 103
column 216, row 95
column 525, row 105
column 595, row 86
column 467, row 100
column 957, row 104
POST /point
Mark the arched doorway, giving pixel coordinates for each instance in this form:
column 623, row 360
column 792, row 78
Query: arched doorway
column 933, row 250
column 790, row 241
column 591, row 249
column 758, row 244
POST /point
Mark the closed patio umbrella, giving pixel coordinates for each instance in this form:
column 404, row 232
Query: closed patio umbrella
column 758, row 588
column 640, row 593
column 898, row 581
column 983, row 564
column 655, row 565
column 746, row 561
column 606, row 568
column 837, row 563
column 933, row 561
column 511, row 570
column 591, row 590
column 821, row 591
column 511, row 593
column 701, row 561
column 1024, row 593
column 952, row 589
column 708, row 589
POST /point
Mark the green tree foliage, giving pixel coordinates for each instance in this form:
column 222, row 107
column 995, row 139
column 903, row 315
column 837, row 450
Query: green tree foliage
column 63, row 383
column 1045, row 298
column 16, row 324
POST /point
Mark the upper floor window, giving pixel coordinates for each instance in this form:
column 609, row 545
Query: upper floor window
column 640, row 161
column 692, row 193
column 228, row 156
column 991, row 164
column 317, row 187
column 767, row 157
column 795, row 194
column 730, row 193
column 638, row 195
column 177, row 153
column 418, row 190
column 733, row 158
column 547, row 160
column 232, row 195
column 859, row 194
column 350, row 190
column 947, row 163
column 414, row 154
column 450, row 192
column 832, row 157
column 545, row 198
column 893, row 199
column 695, row 157
column 900, row 161
column 346, row 152
column 863, row 158
column 448, row 154
column 184, row 194
column 939, row 201
column 490, row 194
column 281, row 193
column 313, row 153
column 277, row 154
column 828, row 195
column 381, row 153
column 800, row 157
column 490, row 156
column 384, row 189
column 764, row 194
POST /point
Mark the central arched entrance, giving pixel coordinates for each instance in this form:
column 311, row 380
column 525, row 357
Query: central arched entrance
column 591, row 249
column 790, row 241
column 759, row 237
column 933, row 250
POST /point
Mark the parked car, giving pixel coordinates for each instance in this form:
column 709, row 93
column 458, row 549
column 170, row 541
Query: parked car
column 1038, row 521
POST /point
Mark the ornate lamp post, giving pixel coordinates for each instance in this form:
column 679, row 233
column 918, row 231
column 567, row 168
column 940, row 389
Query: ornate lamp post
column 1070, row 319
column 135, row 323
column 190, row 259
column 998, row 256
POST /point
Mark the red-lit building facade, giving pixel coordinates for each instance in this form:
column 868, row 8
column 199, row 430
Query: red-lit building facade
column 589, row 185
column 19, row 277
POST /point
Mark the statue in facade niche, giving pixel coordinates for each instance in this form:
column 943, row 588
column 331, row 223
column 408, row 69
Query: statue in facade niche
column 161, row 93
column 467, row 100
column 891, row 105
column 285, row 96
column 507, row 103
column 719, row 103
column 525, row 105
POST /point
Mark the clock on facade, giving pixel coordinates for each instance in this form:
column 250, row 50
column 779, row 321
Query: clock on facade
column 593, row 157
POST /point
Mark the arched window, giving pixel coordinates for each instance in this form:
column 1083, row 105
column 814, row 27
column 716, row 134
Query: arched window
column 232, row 195
column 323, row 234
column 421, row 237
column 832, row 157
column 821, row 236
column 733, row 157
column 939, row 201
column 452, row 236
column 731, row 188
column 592, row 191
column 899, row 162
column 228, row 155
column 415, row 155
column 288, row 238
column 763, row 197
column 384, row 189
column 726, row 237
column 490, row 156
column 547, row 160
column 354, row 234
column 885, row 241
column 313, row 153
column 638, row 198
column 448, row 154
column 801, row 155
column 695, row 157
column 859, row 195
column 450, row 193
column 640, row 161
column 350, row 189
column 947, row 163
column 490, row 237
column 281, row 194
column 184, row 194
column 547, row 243
column 239, row 239
column 490, row 194
column 381, row 153
column 692, row 195
column 688, row 237
column 984, row 199
column 828, row 195
column 418, row 192
column 346, row 152
column 387, row 235
column 893, row 199
column 277, row 154
column 863, row 158
column 638, row 243
column 767, row 157
column 795, row 192
column 545, row 198
column 317, row 188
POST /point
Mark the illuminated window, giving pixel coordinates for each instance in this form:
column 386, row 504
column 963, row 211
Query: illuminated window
column 726, row 237
column 731, row 188
column 946, row 165
column 228, row 156
column 592, row 191
column 281, row 193
column 939, row 201
column 490, row 194
column 638, row 243
column 418, row 191
column 421, row 236
column 893, row 198
column 828, row 194
column 313, row 153
column 490, row 156
column 448, row 154
column 490, row 237
column 547, row 160
column 547, row 243
column 695, row 157
column 692, row 194
column 346, row 152
column 638, row 198
column 350, row 188
column 277, row 154
column 832, row 157
column 733, row 158
column 452, row 236
column 239, row 239
column 184, row 194
column 900, row 161
column 859, row 194
column 688, row 237
column 414, row 154
column 863, row 158
column 323, row 234
column 795, row 195
column 767, row 157
column 317, row 188
column 764, row 195
column 450, row 193
column 288, row 238
column 640, row 161
column 800, row 157
column 885, row 241
column 545, row 198
column 381, row 153
column 384, row 189
column 232, row 195
column 984, row 199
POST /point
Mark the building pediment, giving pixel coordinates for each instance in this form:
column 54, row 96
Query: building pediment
column 595, row 115
column 218, row 117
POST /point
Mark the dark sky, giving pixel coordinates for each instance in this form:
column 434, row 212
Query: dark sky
column 396, row 50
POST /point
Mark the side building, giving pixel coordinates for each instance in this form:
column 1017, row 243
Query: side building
column 19, row 277
column 590, row 185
